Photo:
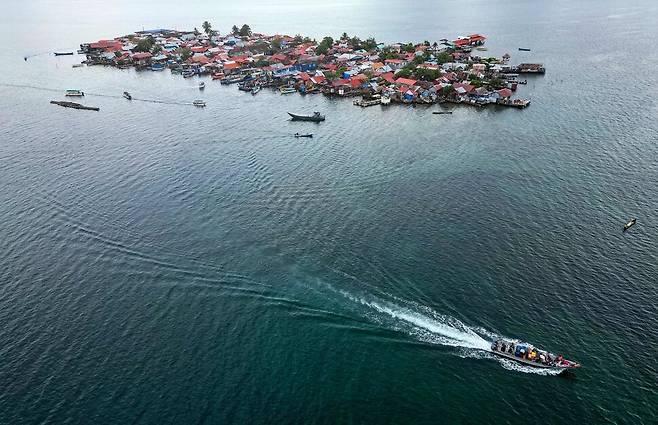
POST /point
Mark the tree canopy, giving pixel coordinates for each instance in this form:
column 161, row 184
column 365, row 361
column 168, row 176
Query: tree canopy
column 235, row 30
column 145, row 44
column 245, row 31
column 444, row 57
column 185, row 54
column 324, row 45
column 207, row 28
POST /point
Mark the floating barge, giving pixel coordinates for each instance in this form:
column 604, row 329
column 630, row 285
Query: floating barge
column 514, row 103
column 74, row 105
column 367, row 102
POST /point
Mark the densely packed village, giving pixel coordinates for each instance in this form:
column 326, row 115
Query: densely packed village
column 444, row 71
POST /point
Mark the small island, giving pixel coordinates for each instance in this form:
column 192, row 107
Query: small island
column 454, row 71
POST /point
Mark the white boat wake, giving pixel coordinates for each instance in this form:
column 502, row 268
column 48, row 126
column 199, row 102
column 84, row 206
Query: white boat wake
column 428, row 326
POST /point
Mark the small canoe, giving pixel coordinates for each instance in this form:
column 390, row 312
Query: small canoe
column 74, row 105
column 442, row 112
column 630, row 224
column 316, row 117
column 523, row 49
column 304, row 135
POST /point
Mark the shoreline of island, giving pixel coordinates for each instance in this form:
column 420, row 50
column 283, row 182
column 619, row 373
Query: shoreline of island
column 423, row 73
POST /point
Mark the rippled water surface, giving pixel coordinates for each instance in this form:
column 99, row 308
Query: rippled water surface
column 165, row 264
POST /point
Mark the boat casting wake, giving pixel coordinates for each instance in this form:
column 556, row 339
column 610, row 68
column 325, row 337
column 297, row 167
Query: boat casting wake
column 428, row 326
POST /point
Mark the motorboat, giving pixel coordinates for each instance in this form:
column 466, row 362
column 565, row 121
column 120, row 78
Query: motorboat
column 202, row 85
column 127, row 95
column 385, row 100
column 303, row 135
column 199, row 103
column 232, row 79
column 316, row 117
column 523, row 49
column 189, row 73
column 630, row 224
column 74, row 93
column 529, row 355
column 287, row 90
column 442, row 112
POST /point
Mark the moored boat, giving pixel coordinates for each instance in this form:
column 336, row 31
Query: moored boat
column 630, row 224
column 127, row 95
column 255, row 90
column 189, row 73
column 217, row 76
column 244, row 86
column 287, row 90
column 74, row 105
column 385, row 100
column 316, row 117
column 74, row 93
column 529, row 355
column 63, row 53
column 523, row 49
column 158, row 67
column 199, row 103
column 77, row 65
column 231, row 80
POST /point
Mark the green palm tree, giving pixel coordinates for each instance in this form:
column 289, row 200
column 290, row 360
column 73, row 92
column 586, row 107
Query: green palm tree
column 207, row 28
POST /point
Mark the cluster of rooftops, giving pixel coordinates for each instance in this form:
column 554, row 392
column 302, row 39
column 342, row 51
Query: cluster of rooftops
column 413, row 73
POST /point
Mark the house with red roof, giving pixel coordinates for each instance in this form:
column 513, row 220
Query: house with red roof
column 230, row 66
column 388, row 77
column 396, row 63
column 141, row 56
column 405, row 81
column 201, row 59
column 463, row 88
column 318, row 79
column 504, row 93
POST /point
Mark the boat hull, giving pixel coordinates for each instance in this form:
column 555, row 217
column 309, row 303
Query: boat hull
column 295, row 117
column 531, row 363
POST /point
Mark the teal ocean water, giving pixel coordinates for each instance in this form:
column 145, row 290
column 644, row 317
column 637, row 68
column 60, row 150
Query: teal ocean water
column 165, row 264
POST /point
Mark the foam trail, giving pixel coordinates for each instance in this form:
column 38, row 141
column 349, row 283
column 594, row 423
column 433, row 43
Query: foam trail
column 432, row 327
column 429, row 326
